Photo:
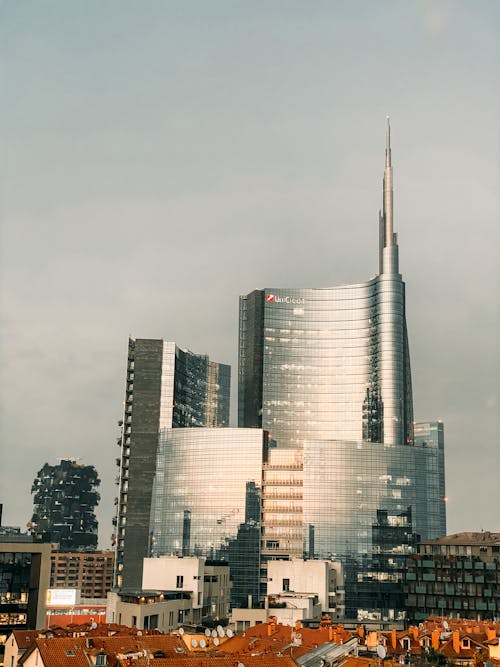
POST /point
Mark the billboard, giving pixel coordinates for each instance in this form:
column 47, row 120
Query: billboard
column 62, row 597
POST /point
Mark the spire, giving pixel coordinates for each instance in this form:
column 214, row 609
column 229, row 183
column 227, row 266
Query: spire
column 388, row 258
column 388, row 143
column 388, row 188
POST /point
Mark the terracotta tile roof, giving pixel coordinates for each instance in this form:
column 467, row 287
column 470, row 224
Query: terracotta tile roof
column 24, row 638
column 60, row 652
column 216, row 661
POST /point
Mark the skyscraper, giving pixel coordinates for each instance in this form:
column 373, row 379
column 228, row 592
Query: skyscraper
column 324, row 465
column 327, row 373
column 330, row 363
column 166, row 387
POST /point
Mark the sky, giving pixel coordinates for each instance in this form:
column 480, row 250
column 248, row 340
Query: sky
column 159, row 158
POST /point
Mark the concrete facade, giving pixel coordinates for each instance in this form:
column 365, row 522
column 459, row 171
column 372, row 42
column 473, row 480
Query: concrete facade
column 318, row 577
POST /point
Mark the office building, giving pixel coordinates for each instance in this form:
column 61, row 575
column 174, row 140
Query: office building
column 326, row 372
column 456, row 575
column 65, row 497
column 166, row 387
column 24, row 580
column 429, row 511
column 206, row 500
column 90, row 572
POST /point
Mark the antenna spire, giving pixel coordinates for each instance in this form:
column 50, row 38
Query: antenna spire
column 388, row 143
column 388, row 242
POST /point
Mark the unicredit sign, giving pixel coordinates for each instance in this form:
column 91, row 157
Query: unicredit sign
column 274, row 298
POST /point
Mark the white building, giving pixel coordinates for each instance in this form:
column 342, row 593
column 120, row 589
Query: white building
column 322, row 578
column 175, row 590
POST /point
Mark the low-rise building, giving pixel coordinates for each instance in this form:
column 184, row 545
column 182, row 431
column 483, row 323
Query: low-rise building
column 322, row 578
column 149, row 610
column 457, row 575
column 175, row 590
column 207, row 581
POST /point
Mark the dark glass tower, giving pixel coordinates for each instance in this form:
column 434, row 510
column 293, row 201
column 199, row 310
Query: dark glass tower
column 327, row 373
column 166, row 387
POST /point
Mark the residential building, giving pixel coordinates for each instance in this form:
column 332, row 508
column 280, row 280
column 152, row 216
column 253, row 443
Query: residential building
column 65, row 497
column 166, row 387
column 90, row 572
column 457, row 575
column 326, row 372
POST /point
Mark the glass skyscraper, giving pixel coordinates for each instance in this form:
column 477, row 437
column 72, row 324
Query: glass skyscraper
column 207, row 500
column 327, row 462
column 327, row 373
column 166, row 387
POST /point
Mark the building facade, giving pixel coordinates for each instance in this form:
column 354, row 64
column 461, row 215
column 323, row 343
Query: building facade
column 430, row 515
column 166, row 387
column 65, row 497
column 24, row 580
column 90, row 572
column 327, row 373
column 206, row 500
column 455, row 576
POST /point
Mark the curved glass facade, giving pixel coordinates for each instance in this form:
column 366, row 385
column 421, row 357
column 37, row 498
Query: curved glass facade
column 207, row 497
column 334, row 363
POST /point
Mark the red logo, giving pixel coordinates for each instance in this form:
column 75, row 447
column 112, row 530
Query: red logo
column 270, row 298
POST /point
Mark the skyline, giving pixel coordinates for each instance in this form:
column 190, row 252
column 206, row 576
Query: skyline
column 160, row 163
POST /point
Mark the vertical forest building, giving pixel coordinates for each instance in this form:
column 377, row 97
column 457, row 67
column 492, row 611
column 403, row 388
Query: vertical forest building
column 65, row 497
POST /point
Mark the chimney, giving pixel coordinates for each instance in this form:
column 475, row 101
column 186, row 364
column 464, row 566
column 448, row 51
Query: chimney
column 490, row 634
column 393, row 638
column 435, row 639
column 456, row 641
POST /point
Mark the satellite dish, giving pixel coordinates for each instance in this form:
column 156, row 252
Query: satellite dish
column 139, row 633
column 181, row 631
column 194, row 643
column 207, row 633
column 216, row 641
column 93, row 625
column 229, row 633
column 446, row 625
column 240, row 664
column 214, row 633
column 203, row 643
column 381, row 651
column 220, row 631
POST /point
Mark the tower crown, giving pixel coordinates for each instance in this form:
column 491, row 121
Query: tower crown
column 388, row 247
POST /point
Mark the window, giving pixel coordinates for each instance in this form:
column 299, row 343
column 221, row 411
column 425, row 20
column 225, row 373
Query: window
column 286, row 584
column 180, row 581
column 151, row 622
column 134, row 621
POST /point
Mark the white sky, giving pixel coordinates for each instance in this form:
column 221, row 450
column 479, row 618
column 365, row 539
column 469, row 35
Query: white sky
column 160, row 158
